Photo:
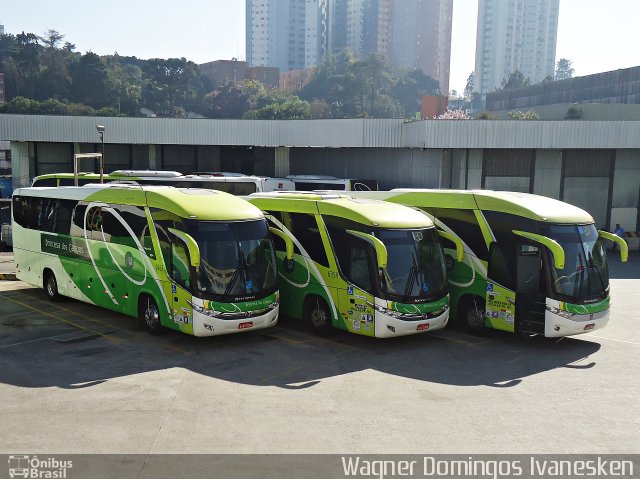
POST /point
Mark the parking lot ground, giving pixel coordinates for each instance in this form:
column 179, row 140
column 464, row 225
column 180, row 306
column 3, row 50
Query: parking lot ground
column 78, row 379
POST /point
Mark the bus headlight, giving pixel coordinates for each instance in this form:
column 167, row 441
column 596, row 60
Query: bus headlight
column 383, row 310
column 559, row 312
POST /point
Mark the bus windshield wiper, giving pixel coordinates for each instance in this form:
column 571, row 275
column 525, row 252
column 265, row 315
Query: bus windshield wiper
column 236, row 273
column 413, row 275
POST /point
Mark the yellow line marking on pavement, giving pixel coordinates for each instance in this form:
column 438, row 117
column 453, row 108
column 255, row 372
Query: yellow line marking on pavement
column 66, row 321
column 25, row 342
column 312, row 338
column 103, row 323
column 455, row 340
column 110, row 325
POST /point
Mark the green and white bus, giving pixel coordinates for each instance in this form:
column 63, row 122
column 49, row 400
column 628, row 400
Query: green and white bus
column 196, row 261
column 367, row 267
column 532, row 264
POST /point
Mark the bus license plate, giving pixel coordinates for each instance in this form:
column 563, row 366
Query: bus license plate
column 245, row 325
column 422, row 327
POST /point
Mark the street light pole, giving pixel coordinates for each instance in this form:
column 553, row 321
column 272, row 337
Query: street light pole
column 101, row 129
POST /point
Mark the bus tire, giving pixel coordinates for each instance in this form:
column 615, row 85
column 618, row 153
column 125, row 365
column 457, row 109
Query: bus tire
column 317, row 314
column 149, row 314
column 473, row 315
column 51, row 286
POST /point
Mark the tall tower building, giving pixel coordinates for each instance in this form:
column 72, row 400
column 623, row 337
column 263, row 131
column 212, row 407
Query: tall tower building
column 420, row 37
column 515, row 35
column 286, row 34
column 410, row 33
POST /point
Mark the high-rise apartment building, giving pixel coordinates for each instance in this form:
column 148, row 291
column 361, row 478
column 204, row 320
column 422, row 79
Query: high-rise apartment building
column 515, row 35
column 410, row 33
column 286, row 34
column 296, row 34
column 420, row 37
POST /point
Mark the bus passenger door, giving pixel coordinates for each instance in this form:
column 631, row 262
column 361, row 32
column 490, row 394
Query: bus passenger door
column 177, row 283
column 500, row 297
column 530, row 302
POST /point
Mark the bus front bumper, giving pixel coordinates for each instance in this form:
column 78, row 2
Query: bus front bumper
column 556, row 325
column 205, row 325
column 389, row 326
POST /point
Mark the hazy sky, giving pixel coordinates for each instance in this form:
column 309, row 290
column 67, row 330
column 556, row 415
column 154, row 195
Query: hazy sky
column 595, row 35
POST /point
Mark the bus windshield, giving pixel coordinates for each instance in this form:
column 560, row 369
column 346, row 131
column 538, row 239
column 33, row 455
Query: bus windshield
column 236, row 259
column 416, row 266
column 585, row 275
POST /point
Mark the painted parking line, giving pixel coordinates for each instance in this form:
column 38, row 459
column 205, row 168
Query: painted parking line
column 611, row 339
column 68, row 322
column 111, row 325
column 26, row 342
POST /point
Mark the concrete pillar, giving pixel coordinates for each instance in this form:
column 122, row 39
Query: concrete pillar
column 281, row 161
column 154, row 157
column 21, row 172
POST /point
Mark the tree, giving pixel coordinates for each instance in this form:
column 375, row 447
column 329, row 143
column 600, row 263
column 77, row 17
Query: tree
column 53, row 80
column 175, row 82
column 283, row 107
column 230, row 100
column 468, row 89
column 515, row 80
column 26, row 55
column 51, row 38
column 564, row 69
column 574, row 113
column 125, row 81
column 90, row 82
column 409, row 90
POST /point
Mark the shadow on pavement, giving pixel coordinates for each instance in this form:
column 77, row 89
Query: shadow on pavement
column 43, row 350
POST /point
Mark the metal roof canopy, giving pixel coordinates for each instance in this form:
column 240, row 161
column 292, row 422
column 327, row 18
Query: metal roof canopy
column 351, row 133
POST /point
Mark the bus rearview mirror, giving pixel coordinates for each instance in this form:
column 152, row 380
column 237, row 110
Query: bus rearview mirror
column 381, row 249
column 288, row 244
column 192, row 246
column 624, row 247
column 455, row 240
column 552, row 245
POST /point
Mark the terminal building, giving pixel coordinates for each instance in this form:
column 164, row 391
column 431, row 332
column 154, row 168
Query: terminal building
column 594, row 165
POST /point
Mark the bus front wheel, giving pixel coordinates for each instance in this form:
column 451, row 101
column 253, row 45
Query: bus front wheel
column 473, row 315
column 149, row 314
column 318, row 316
column 51, row 286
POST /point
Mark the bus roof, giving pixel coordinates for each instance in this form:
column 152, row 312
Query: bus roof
column 164, row 176
column 535, row 207
column 193, row 203
column 365, row 211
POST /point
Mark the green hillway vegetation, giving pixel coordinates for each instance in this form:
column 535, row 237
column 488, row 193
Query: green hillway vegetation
column 45, row 75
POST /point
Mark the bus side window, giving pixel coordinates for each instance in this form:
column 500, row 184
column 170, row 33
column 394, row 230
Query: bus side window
column 499, row 266
column 64, row 211
column 465, row 225
column 359, row 267
column 278, row 243
column 305, row 228
column 77, row 220
column 45, row 182
column 180, row 262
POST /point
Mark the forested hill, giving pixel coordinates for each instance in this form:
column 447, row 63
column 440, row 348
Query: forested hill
column 46, row 75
